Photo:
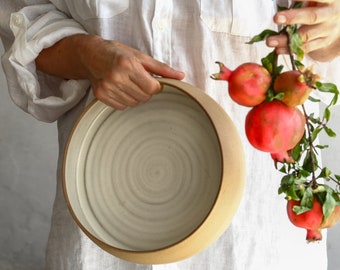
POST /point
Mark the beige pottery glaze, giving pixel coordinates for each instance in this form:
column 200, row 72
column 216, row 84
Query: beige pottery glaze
column 157, row 183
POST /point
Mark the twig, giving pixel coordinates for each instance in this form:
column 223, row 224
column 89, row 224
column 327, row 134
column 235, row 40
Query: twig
column 314, row 183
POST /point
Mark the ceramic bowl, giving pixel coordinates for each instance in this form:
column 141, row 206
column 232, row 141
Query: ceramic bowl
column 157, row 183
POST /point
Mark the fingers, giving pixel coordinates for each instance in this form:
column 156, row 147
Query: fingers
column 126, row 89
column 279, row 42
column 319, row 23
column 305, row 16
column 161, row 69
column 154, row 66
column 314, row 3
column 124, row 76
column 313, row 37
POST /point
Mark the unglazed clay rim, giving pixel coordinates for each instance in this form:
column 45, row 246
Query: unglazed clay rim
column 171, row 112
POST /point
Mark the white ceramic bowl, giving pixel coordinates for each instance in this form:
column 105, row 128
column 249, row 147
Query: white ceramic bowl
column 156, row 183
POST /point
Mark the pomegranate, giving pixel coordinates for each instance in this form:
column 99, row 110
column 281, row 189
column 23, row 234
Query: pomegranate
column 283, row 157
column 274, row 127
column 311, row 4
column 248, row 83
column 332, row 219
column 312, row 220
column 293, row 85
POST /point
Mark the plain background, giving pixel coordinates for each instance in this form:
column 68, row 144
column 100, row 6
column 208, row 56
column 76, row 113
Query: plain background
column 28, row 158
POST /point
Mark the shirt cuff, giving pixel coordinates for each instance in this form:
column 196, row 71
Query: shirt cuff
column 45, row 97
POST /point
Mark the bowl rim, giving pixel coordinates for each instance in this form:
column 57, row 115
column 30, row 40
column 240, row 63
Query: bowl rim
column 223, row 209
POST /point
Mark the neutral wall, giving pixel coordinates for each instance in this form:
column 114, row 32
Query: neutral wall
column 331, row 159
column 28, row 157
column 28, row 153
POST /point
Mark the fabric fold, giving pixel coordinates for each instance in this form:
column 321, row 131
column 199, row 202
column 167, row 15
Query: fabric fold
column 45, row 97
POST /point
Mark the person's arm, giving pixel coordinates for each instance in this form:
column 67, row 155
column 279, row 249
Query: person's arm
column 25, row 31
column 120, row 76
column 319, row 30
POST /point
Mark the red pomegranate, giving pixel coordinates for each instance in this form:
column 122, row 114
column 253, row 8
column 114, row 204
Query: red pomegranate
column 283, row 157
column 332, row 219
column 312, row 4
column 248, row 83
column 293, row 85
column 274, row 127
column 312, row 220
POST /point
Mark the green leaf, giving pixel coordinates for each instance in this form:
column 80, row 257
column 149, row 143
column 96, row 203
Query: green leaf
column 281, row 8
column 325, row 173
column 320, row 191
column 269, row 62
column 298, row 63
column 283, row 169
column 277, row 70
column 298, row 209
column 297, row 4
column 329, row 132
column 327, row 114
column 308, row 198
column 293, row 185
column 279, row 96
column 321, row 146
column 295, row 42
column 313, row 119
column 299, row 52
column 292, row 194
column 334, row 100
column 316, row 132
column 262, row 36
column 327, row 87
column 308, row 164
column 306, row 202
column 328, row 205
column 305, row 173
column 271, row 95
column 296, row 152
column 286, row 182
column 313, row 99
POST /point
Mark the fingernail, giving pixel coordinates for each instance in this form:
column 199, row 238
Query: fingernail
column 281, row 19
column 273, row 42
column 182, row 74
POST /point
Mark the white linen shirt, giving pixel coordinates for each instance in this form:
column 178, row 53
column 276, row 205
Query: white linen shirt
column 189, row 36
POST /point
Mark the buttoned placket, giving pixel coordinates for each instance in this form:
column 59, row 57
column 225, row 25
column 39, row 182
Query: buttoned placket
column 161, row 26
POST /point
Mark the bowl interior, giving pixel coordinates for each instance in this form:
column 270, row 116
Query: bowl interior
column 143, row 178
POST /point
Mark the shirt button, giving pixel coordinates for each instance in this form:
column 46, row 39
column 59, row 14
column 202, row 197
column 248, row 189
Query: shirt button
column 17, row 19
column 161, row 24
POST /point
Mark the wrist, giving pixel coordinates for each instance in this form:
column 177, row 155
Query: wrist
column 68, row 58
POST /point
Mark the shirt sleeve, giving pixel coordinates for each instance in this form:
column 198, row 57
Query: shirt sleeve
column 34, row 28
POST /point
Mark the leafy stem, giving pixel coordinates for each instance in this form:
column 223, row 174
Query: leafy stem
column 300, row 180
column 313, row 182
column 289, row 34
